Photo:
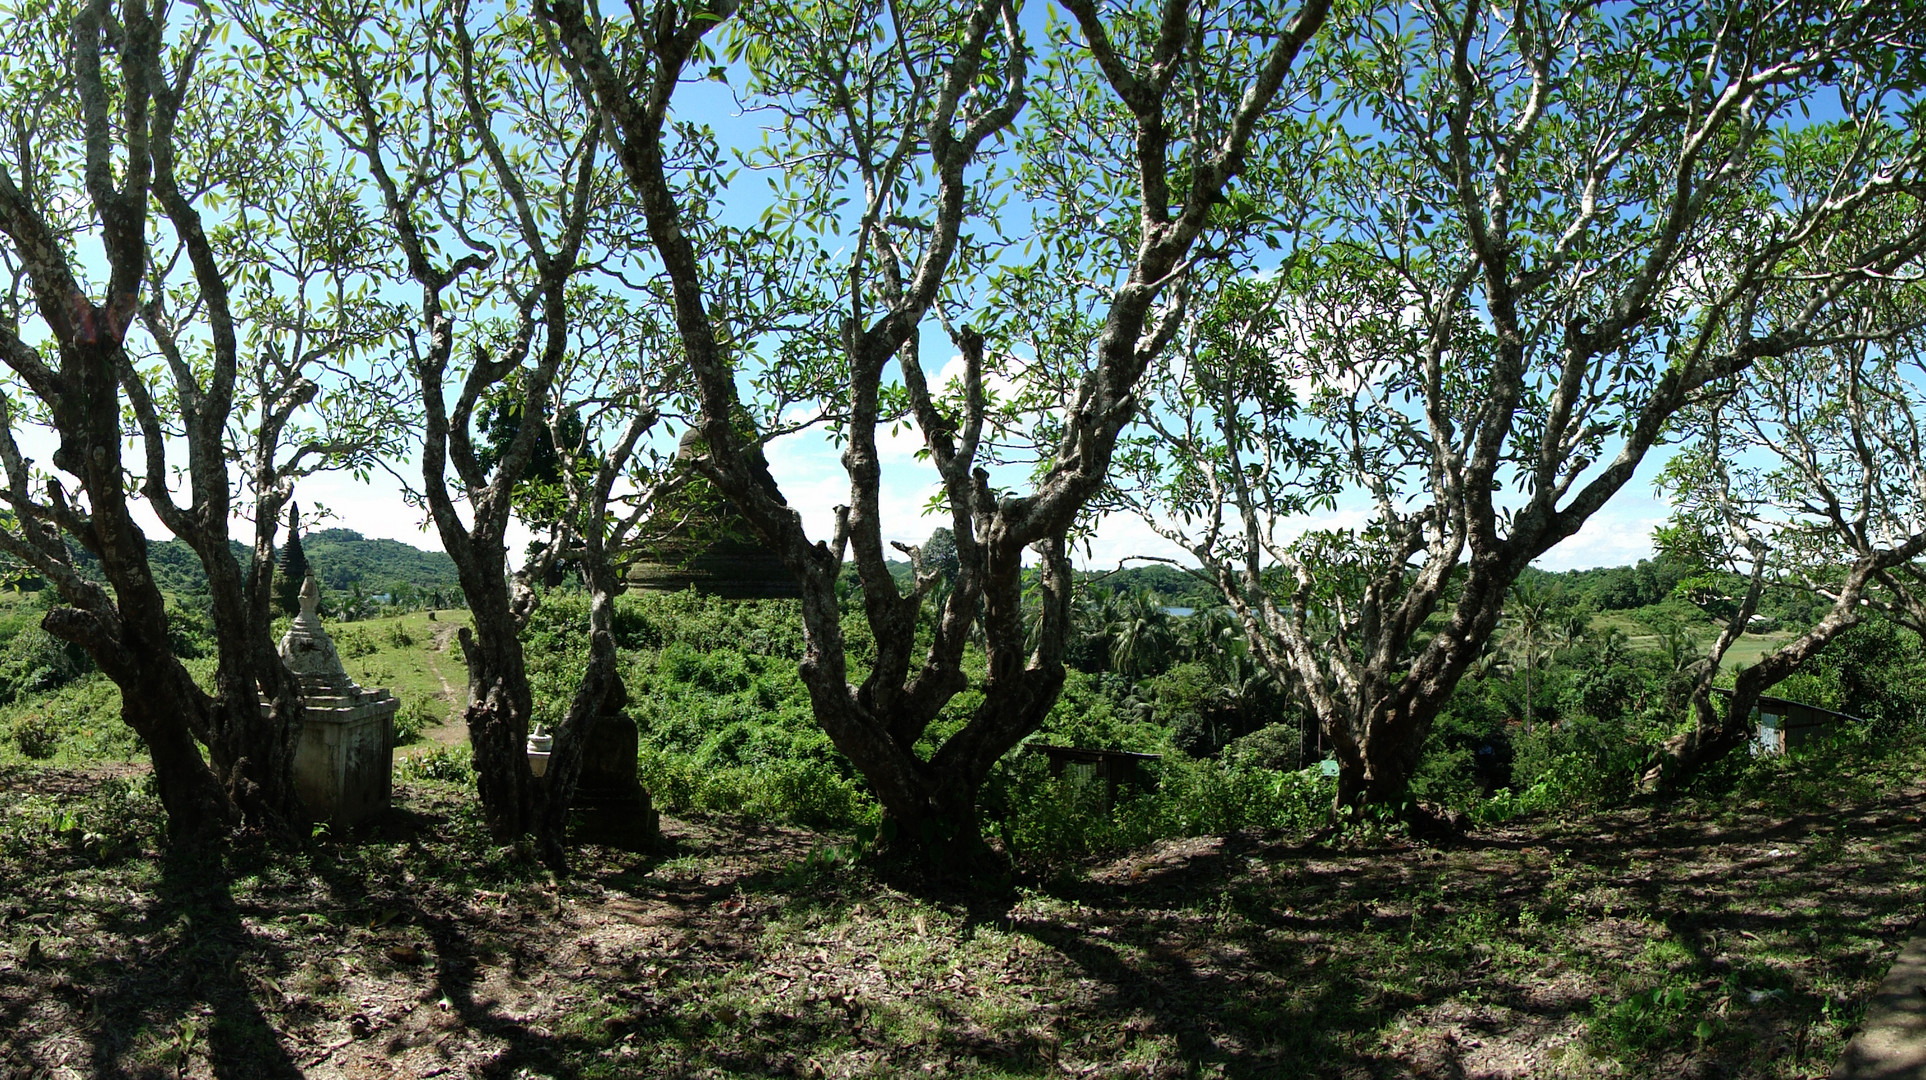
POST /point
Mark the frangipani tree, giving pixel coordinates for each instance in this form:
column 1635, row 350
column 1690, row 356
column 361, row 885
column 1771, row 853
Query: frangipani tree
column 1566, row 224
column 486, row 172
column 900, row 108
column 1808, row 474
column 153, row 177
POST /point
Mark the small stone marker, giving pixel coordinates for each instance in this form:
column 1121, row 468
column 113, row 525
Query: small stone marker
column 1892, row 1042
column 343, row 765
column 610, row 804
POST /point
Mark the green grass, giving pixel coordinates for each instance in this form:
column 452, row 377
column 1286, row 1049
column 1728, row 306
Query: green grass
column 1736, row 933
column 1188, row 932
column 80, row 722
column 1748, row 649
column 400, row 654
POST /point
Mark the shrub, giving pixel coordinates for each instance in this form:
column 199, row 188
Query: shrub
column 82, row 718
column 1044, row 818
column 34, row 661
column 1277, row 747
column 1593, row 762
column 352, row 644
column 443, row 764
column 34, row 736
column 414, row 717
column 190, row 628
column 806, row 792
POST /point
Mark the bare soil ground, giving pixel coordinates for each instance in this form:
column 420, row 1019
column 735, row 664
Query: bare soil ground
column 443, row 650
column 1729, row 937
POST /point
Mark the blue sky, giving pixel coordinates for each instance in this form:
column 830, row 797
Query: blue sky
column 807, row 466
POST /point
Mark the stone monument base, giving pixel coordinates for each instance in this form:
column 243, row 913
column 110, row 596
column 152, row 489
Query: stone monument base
column 344, row 763
column 634, row 826
column 610, row 806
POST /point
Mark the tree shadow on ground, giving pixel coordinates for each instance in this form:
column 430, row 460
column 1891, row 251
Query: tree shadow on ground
column 413, row 947
column 1261, row 955
column 180, row 1003
column 131, row 963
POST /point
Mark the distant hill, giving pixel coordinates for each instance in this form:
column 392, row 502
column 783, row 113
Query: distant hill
column 1174, row 586
column 343, row 558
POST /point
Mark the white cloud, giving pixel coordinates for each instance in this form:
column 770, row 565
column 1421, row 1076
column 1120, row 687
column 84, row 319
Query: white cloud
column 809, row 471
column 1617, row 535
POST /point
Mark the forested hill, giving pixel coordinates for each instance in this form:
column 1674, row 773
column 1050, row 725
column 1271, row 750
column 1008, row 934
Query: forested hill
column 1171, row 585
column 341, row 558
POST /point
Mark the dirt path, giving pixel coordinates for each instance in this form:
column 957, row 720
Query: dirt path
column 452, row 731
column 1892, row 1043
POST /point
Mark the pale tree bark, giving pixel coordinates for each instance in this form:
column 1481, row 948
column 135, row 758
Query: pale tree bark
column 1528, row 304
column 1811, row 475
column 965, row 98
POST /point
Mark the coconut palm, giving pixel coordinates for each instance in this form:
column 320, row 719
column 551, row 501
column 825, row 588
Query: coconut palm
column 1141, row 640
column 1211, row 634
column 1530, row 627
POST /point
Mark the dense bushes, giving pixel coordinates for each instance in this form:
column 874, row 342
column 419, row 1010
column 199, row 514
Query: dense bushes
column 1044, row 818
column 722, row 717
column 81, row 719
column 725, row 724
column 33, row 661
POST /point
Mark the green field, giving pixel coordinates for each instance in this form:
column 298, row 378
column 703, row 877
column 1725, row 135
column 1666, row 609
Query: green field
column 1748, row 649
column 418, row 660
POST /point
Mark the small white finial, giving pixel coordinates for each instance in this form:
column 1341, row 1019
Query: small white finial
column 310, row 598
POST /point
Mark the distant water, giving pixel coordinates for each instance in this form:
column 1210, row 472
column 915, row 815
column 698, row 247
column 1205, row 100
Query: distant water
column 1180, row 611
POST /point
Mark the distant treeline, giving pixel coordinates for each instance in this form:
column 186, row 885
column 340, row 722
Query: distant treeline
column 342, row 560
column 1604, row 588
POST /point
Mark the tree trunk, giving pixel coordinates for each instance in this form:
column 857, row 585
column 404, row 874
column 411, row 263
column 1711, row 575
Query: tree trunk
column 154, row 703
column 1378, row 774
column 599, row 683
column 931, row 806
column 251, row 748
column 931, row 817
column 164, row 706
column 1714, row 735
column 500, row 706
column 1379, row 745
column 127, row 638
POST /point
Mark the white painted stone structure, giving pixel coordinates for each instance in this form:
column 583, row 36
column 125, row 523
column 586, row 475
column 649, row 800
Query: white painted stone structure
column 343, row 765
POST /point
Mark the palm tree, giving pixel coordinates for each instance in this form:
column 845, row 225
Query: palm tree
column 1570, row 629
column 1530, row 617
column 1211, row 634
column 1140, row 636
column 1095, row 609
column 1678, row 645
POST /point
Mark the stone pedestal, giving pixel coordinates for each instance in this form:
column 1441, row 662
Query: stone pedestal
column 608, row 763
column 344, row 762
column 610, row 806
